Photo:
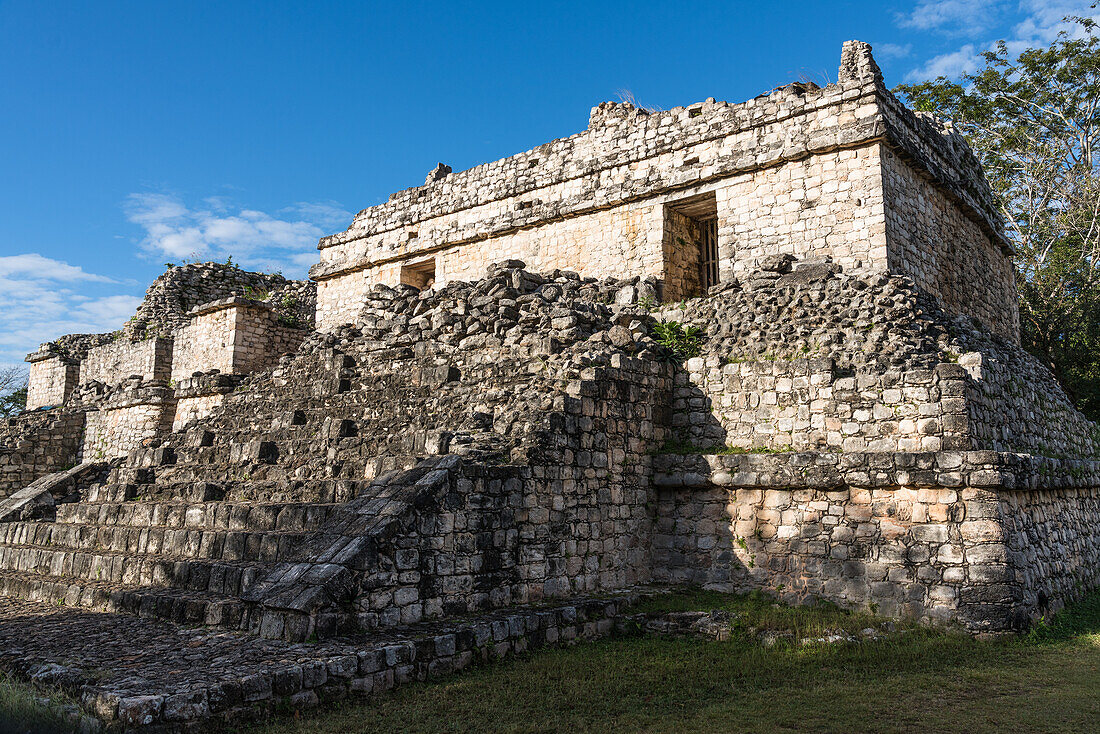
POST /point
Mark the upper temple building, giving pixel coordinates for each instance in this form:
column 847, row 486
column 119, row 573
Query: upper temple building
column 697, row 195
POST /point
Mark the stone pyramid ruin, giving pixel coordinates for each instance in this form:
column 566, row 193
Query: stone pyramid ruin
column 770, row 345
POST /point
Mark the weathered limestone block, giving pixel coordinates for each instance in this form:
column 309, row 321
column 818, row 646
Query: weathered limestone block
column 52, row 378
column 842, row 172
column 233, row 336
column 112, row 363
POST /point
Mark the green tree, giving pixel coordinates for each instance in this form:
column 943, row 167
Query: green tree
column 1034, row 123
column 13, row 391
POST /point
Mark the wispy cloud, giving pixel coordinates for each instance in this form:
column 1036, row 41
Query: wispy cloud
column 953, row 17
column 1039, row 23
column 893, row 50
column 33, row 265
column 217, row 229
column 39, row 302
column 950, row 65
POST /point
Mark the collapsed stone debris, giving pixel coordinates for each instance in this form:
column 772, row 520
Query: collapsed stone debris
column 761, row 346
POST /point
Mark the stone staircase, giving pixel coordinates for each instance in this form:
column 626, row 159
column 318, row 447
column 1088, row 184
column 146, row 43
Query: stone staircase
column 189, row 562
column 376, row 478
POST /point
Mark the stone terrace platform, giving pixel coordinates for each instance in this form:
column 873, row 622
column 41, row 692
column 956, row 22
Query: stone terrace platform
column 135, row 672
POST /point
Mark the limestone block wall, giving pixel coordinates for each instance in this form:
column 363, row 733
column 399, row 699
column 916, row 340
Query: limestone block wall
column 199, row 396
column 34, row 444
column 181, row 288
column 806, row 404
column 681, row 271
column 52, row 377
column 947, row 254
column 120, row 419
column 1050, row 547
column 195, row 408
column 828, row 205
column 116, row 431
column 234, row 336
column 945, row 535
column 602, row 244
column 1015, row 404
column 114, row 362
column 575, row 520
column 454, row 534
column 804, row 171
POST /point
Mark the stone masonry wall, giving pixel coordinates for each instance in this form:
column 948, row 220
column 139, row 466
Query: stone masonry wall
column 116, row 431
column 599, row 245
column 808, row 404
column 233, row 336
column 52, row 377
column 123, row 417
column 36, row 443
column 946, row 254
column 112, row 363
column 809, row 208
column 195, row 408
column 941, row 536
column 682, row 272
column 181, row 288
column 798, row 171
column 828, row 205
column 205, row 342
column 1015, row 404
column 1051, row 545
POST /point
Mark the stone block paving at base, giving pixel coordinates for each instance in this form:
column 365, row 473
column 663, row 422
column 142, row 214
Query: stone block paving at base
column 144, row 672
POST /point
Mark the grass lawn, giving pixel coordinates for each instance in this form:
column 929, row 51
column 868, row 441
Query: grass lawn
column 21, row 709
column 913, row 680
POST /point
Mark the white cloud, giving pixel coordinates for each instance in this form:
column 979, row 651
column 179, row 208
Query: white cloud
column 893, row 50
column 36, row 266
column 950, row 65
column 1039, row 23
column 954, row 17
column 217, row 230
column 38, row 304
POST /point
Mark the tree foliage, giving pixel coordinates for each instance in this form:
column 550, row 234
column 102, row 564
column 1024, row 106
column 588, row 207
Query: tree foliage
column 13, row 391
column 1034, row 122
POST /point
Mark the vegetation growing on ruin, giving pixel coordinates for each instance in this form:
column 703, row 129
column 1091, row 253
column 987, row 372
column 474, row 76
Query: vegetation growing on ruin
column 681, row 342
column 27, row 709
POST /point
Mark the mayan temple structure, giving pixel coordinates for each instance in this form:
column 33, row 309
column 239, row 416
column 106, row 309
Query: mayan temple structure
column 768, row 345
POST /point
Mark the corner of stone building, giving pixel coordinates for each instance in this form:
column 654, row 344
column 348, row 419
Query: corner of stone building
column 857, row 64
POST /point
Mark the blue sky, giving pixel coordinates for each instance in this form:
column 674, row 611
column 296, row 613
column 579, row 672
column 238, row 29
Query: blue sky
column 134, row 134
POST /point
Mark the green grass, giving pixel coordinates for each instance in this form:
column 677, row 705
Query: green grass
column 914, row 680
column 21, row 709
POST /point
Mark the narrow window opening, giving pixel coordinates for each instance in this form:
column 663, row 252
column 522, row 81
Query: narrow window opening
column 690, row 244
column 708, row 253
column 420, row 275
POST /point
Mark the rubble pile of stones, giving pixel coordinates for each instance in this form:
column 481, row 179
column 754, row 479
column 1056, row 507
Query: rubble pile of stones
column 811, row 310
column 881, row 324
column 479, row 362
column 171, row 296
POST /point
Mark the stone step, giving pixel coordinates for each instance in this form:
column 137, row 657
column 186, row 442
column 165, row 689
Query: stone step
column 204, row 485
column 177, row 605
column 258, row 516
column 186, row 543
column 183, row 678
column 227, row 578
